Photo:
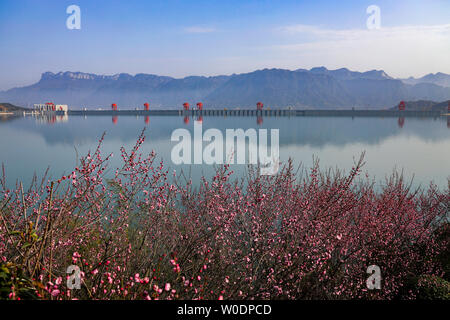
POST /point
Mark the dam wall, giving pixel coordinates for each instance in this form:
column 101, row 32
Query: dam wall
column 252, row 113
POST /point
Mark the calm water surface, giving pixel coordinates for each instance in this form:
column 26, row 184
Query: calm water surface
column 418, row 146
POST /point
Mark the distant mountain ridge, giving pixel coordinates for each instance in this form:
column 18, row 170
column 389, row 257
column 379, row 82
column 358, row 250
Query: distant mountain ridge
column 278, row 88
column 346, row 74
column 440, row 79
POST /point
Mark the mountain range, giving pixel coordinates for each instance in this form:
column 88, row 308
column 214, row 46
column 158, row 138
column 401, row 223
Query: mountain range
column 276, row 88
column 441, row 79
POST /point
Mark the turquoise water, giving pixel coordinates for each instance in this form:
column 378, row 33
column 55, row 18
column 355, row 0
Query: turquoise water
column 418, row 146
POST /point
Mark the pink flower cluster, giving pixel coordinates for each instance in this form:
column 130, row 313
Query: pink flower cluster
column 138, row 234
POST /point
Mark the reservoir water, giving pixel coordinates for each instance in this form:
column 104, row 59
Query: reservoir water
column 420, row 147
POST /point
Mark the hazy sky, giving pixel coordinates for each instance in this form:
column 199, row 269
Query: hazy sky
column 179, row 38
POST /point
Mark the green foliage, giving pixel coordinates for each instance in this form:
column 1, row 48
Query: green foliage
column 15, row 285
column 27, row 237
column 431, row 287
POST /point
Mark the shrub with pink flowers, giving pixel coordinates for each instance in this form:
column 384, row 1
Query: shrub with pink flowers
column 140, row 232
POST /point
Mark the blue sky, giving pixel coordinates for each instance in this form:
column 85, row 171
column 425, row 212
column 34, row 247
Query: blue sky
column 179, row 38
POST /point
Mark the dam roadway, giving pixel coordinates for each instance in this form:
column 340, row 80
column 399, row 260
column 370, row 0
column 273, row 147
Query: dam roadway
column 253, row 112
